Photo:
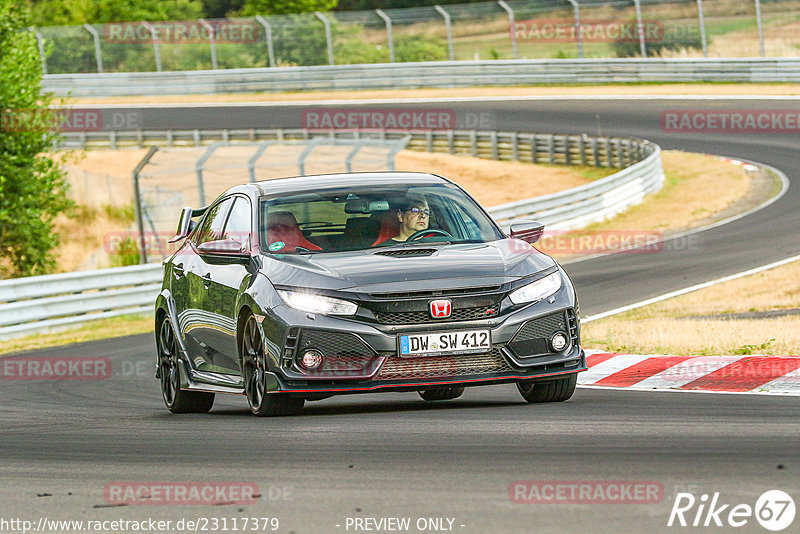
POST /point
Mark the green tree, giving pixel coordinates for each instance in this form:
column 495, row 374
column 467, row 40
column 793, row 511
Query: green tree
column 285, row 7
column 32, row 186
column 77, row 12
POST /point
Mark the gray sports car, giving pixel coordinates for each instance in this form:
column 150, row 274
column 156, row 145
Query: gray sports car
column 302, row 288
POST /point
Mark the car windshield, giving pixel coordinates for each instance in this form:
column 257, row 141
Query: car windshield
column 360, row 218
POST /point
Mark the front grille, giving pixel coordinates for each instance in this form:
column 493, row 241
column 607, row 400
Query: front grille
column 397, row 368
column 544, row 327
column 534, row 336
column 342, row 351
column 421, row 317
column 407, row 252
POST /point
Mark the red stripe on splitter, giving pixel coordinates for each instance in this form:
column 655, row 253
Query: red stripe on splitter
column 745, row 374
column 638, row 372
column 599, row 358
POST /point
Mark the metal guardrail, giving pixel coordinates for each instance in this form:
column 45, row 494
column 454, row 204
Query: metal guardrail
column 38, row 304
column 445, row 74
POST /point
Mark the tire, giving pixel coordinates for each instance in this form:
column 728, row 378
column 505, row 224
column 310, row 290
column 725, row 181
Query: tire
column 438, row 394
column 254, row 370
column 557, row 390
column 176, row 399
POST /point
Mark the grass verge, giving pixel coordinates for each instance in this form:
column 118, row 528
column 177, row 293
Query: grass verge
column 99, row 329
column 702, row 323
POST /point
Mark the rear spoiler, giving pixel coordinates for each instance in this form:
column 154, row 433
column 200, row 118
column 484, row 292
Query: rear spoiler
column 185, row 223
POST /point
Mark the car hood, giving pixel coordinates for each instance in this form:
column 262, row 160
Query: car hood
column 372, row 271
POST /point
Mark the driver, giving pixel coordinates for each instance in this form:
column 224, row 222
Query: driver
column 414, row 215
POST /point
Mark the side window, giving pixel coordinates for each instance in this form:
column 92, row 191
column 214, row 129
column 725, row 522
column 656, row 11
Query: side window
column 214, row 222
column 239, row 222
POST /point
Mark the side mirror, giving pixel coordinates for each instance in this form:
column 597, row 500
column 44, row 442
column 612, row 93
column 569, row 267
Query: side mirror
column 528, row 231
column 224, row 247
column 184, row 224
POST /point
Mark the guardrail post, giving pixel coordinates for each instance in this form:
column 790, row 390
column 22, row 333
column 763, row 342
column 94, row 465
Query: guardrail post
column 211, row 42
column 429, row 140
column 473, row 140
column 493, row 140
column 156, row 51
column 98, row 55
column 112, row 139
column 760, row 28
column 567, row 155
column 40, row 45
column 268, row 36
column 449, row 29
column 511, row 25
column 582, row 148
column 170, row 142
column 251, row 163
column 551, row 147
column 301, row 159
column 534, row 155
column 348, row 161
column 198, row 168
column 328, row 37
column 137, row 199
column 576, row 8
column 388, row 22
column 595, row 153
column 515, row 146
column 640, row 28
column 451, row 141
column 702, row 27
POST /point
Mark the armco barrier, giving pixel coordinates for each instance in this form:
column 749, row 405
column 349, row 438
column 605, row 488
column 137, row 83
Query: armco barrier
column 37, row 304
column 445, row 74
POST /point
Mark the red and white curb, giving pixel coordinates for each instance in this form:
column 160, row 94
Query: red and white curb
column 775, row 375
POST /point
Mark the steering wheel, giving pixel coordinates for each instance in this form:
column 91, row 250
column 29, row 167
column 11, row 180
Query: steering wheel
column 428, row 232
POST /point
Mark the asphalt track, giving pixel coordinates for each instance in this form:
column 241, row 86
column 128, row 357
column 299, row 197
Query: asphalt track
column 392, row 455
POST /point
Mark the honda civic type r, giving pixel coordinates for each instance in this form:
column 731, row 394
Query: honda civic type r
column 302, row 288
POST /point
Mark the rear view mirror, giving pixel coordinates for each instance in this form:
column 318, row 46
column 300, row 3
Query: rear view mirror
column 184, row 224
column 528, row 231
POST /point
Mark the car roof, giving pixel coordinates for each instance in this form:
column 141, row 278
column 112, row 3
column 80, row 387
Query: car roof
column 316, row 182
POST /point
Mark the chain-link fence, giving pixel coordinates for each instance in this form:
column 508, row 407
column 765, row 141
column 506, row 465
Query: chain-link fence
column 485, row 30
column 170, row 178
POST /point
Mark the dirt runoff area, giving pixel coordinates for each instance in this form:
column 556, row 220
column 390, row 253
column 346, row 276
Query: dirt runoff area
column 676, row 89
column 697, row 187
column 756, row 314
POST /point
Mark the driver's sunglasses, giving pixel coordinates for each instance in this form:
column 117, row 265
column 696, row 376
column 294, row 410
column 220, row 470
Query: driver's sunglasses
column 418, row 211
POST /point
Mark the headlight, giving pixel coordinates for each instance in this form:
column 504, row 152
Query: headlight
column 317, row 303
column 544, row 287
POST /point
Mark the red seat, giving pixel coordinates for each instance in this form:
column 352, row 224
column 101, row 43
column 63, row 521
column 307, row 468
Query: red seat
column 390, row 227
column 282, row 226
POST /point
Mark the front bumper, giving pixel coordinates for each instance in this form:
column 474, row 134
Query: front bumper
column 365, row 356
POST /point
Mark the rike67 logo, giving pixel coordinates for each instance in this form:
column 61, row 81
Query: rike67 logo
column 774, row 510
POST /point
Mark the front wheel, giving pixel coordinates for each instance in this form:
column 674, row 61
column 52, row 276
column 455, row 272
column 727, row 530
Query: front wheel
column 254, row 367
column 176, row 399
column 557, row 390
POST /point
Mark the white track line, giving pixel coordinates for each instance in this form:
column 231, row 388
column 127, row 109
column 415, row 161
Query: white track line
column 685, row 290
